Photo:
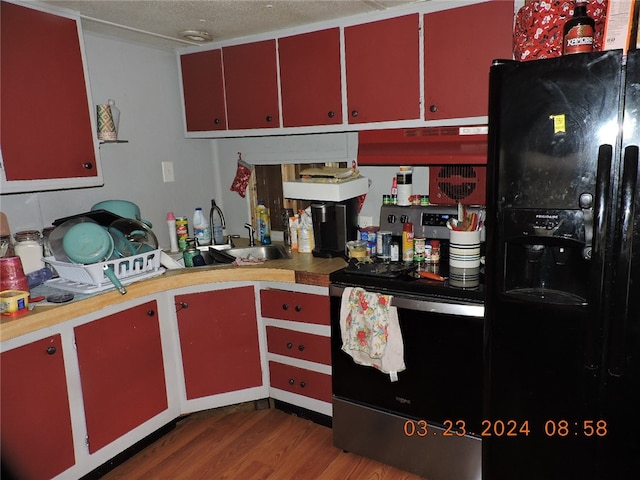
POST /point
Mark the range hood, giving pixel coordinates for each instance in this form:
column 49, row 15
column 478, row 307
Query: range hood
column 424, row 146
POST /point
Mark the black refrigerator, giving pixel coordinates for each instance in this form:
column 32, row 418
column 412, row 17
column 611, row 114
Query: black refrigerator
column 562, row 319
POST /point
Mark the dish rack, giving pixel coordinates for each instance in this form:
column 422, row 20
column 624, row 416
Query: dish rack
column 91, row 278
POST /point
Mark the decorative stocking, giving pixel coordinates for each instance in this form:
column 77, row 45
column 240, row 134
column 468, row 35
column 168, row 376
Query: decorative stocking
column 243, row 173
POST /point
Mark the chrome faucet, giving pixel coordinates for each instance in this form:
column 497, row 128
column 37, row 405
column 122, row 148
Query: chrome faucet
column 216, row 208
column 252, row 231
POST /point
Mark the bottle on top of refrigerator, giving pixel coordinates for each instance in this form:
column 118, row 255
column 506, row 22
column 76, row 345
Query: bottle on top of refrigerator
column 264, row 223
column 216, row 220
column 201, row 228
column 579, row 30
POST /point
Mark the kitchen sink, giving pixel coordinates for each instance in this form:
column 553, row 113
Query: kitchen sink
column 264, row 252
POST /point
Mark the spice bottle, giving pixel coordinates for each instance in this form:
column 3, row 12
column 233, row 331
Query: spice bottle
column 578, row 30
column 407, row 242
column 435, row 252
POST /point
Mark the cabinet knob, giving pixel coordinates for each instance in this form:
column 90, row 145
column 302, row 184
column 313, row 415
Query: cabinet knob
column 301, row 347
column 285, row 306
column 433, row 108
column 292, row 381
column 51, row 350
column 217, row 121
column 354, row 113
column 151, row 312
column 289, row 345
column 331, row 114
column 303, row 384
column 298, row 308
column 88, row 165
column 269, row 118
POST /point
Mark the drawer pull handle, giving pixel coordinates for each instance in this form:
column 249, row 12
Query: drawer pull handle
column 298, row 308
column 301, row 347
column 289, row 345
column 51, row 350
column 292, row 381
column 303, row 384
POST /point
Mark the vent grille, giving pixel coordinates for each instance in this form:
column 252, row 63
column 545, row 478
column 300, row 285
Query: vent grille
column 450, row 184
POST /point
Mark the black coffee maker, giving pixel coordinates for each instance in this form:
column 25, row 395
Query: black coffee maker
column 334, row 224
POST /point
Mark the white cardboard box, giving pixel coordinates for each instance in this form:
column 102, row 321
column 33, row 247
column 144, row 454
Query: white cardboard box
column 329, row 192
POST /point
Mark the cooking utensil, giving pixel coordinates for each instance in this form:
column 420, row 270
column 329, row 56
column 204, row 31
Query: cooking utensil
column 140, row 237
column 102, row 217
column 87, row 243
column 123, row 208
column 431, row 276
column 112, row 276
column 58, row 233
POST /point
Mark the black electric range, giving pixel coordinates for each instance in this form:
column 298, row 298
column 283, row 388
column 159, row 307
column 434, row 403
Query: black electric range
column 459, row 285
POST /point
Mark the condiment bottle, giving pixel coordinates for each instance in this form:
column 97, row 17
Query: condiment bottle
column 435, row 252
column 578, row 30
column 28, row 247
column 407, row 242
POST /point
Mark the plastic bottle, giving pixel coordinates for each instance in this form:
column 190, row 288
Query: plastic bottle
column 217, row 223
column 173, row 237
column 201, row 228
column 264, row 224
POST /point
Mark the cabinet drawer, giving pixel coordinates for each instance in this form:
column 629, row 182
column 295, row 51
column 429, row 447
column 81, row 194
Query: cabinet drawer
column 305, row 346
column 298, row 380
column 299, row 307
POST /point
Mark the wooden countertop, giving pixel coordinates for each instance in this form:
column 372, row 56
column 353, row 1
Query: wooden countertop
column 301, row 268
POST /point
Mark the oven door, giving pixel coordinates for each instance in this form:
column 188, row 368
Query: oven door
column 429, row 420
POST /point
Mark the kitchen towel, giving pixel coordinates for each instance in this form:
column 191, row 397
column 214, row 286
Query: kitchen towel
column 371, row 331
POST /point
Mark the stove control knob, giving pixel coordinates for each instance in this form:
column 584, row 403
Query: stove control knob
column 391, row 218
column 404, row 219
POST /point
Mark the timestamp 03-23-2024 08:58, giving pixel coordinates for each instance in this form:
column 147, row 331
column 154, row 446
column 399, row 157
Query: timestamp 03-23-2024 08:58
column 508, row 428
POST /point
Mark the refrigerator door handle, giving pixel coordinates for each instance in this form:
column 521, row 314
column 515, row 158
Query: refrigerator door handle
column 619, row 314
column 601, row 215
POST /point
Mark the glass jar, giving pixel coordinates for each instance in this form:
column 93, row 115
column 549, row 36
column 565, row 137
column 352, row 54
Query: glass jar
column 28, row 247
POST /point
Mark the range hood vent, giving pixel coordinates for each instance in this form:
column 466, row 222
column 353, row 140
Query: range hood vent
column 424, row 146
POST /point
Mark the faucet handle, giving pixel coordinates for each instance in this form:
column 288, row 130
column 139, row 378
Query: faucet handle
column 230, row 240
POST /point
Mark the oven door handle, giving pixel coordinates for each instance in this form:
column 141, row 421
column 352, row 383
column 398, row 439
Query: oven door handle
column 423, row 305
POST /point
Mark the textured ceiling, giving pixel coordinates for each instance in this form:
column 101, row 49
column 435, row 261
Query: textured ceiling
column 223, row 19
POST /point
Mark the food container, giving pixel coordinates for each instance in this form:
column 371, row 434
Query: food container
column 14, row 302
column 357, row 249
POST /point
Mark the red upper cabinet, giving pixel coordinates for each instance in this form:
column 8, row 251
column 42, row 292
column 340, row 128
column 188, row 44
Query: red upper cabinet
column 310, row 79
column 46, row 130
column 203, row 90
column 459, row 47
column 37, row 441
column 383, row 70
column 251, row 83
column 121, row 371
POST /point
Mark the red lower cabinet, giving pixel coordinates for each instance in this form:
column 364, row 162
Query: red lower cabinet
column 121, row 371
column 301, row 381
column 219, row 341
column 35, row 422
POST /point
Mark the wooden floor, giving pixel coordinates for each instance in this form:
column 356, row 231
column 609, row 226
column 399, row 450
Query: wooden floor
column 250, row 445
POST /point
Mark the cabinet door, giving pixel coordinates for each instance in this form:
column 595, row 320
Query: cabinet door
column 37, row 440
column 296, row 306
column 459, row 47
column 46, row 126
column 121, row 371
column 219, row 341
column 203, row 90
column 251, row 85
column 383, row 70
column 301, row 381
column 310, row 78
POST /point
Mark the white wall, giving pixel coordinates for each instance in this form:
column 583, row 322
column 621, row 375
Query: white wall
column 144, row 83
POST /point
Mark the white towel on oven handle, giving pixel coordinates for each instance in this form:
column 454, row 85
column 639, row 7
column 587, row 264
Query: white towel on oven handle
column 371, row 331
